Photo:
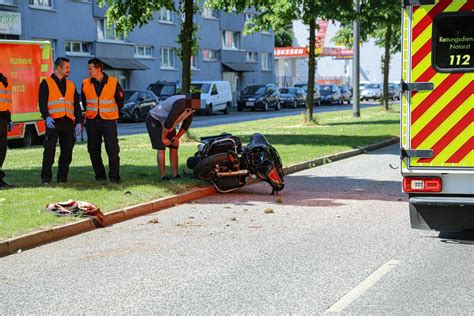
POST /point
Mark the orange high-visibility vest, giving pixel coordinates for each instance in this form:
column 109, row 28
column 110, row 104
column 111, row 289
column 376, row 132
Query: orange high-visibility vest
column 59, row 105
column 5, row 97
column 105, row 104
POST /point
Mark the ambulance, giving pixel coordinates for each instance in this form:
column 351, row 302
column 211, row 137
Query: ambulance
column 25, row 64
column 437, row 113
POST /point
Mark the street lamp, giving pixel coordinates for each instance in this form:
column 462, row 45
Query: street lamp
column 356, row 64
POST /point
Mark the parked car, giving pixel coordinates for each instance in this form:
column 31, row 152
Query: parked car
column 371, row 91
column 259, row 96
column 394, row 91
column 316, row 94
column 215, row 95
column 292, row 97
column 137, row 104
column 163, row 89
column 346, row 94
column 331, row 94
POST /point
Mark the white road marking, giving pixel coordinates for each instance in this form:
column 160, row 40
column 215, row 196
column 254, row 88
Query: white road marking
column 360, row 289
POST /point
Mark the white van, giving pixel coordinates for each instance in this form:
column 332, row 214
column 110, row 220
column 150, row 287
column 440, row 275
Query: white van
column 215, row 96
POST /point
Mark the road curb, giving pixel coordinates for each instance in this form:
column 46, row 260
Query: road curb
column 38, row 238
column 339, row 156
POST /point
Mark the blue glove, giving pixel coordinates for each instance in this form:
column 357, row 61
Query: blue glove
column 10, row 126
column 78, row 129
column 50, row 122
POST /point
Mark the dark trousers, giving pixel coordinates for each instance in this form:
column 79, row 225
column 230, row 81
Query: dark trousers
column 3, row 143
column 98, row 129
column 64, row 132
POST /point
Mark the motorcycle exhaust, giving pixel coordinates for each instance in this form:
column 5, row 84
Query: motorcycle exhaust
column 243, row 172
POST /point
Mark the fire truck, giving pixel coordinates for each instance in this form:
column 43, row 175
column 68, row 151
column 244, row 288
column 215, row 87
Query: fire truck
column 437, row 113
column 25, row 64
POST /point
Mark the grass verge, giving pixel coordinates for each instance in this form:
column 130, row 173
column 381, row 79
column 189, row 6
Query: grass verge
column 21, row 208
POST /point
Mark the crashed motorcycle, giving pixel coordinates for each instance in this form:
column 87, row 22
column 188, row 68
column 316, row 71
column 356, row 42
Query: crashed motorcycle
column 223, row 161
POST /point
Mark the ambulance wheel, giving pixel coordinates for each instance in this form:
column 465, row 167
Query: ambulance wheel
column 30, row 138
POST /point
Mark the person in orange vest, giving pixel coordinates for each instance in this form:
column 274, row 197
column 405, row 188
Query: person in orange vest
column 102, row 97
column 6, row 123
column 59, row 106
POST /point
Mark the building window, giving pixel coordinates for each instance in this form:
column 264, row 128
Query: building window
column 77, row 48
column 251, row 57
column 210, row 55
column 105, row 32
column 266, row 61
column 166, row 16
column 249, row 16
column 209, row 13
column 194, row 62
column 143, row 51
column 230, row 40
column 167, row 55
column 41, row 3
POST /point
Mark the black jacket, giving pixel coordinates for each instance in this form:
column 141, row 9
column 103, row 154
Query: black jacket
column 44, row 94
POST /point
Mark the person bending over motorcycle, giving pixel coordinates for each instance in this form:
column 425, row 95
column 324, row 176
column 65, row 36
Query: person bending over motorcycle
column 161, row 124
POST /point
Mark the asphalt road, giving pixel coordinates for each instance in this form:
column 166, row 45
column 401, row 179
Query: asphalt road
column 336, row 239
column 218, row 118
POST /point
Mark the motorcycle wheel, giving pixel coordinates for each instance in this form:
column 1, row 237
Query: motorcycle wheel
column 206, row 168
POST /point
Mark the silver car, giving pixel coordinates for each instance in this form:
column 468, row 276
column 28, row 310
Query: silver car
column 372, row 91
column 394, row 91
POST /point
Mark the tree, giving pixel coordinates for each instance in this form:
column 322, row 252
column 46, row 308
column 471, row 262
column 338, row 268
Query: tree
column 284, row 36
column 276, row 14
column 127, row 14
column 379, row 19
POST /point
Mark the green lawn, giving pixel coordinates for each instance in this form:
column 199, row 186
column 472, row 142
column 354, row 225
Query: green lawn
column 21, row 208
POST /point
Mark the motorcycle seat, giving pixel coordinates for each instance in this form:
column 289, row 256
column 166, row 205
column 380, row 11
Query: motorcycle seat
column 212, row 138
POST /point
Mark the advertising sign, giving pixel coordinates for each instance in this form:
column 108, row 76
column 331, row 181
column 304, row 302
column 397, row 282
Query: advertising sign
column 10, row 23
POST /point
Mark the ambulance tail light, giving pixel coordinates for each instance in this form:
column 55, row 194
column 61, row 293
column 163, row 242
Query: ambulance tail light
column 417, row 184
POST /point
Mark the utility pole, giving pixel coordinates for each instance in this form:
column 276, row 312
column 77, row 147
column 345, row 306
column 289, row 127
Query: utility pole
column 356, row 64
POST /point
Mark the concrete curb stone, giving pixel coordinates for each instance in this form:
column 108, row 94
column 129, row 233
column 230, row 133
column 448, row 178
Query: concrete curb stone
column 37, row 238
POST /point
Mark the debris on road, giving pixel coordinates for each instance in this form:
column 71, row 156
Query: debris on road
column 154, row 221
column 269, row 211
